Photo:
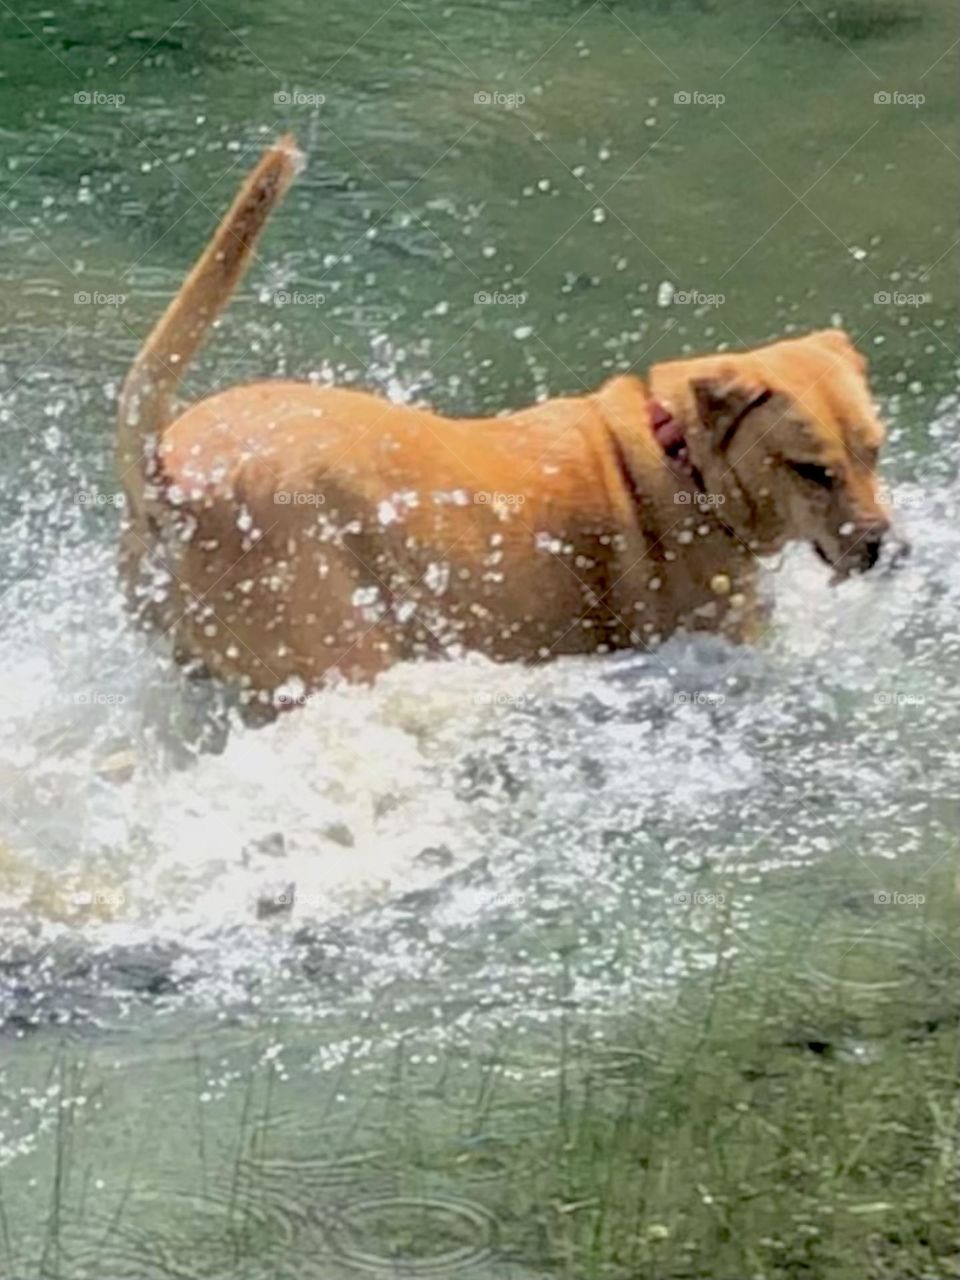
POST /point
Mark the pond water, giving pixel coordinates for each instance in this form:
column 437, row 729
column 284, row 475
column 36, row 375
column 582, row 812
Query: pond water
column 591, row 969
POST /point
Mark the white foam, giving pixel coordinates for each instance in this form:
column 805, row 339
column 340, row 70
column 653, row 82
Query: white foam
column 366, row 793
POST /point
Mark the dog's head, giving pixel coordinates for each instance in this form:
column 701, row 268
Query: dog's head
column 787, row 441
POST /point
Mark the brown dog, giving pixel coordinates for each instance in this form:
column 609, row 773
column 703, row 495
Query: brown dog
column 285, row 531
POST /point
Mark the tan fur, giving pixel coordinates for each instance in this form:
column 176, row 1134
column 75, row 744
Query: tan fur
column 299, row 530
column 143, row 411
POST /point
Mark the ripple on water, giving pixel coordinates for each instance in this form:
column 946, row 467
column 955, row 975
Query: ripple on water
column 415, row 1235
column 850, row 960
column 170, row 1232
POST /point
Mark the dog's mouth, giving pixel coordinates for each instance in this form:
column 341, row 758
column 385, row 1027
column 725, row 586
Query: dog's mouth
column 866, row 555
column 841, row 569
column 845, row 564
column 822, row 554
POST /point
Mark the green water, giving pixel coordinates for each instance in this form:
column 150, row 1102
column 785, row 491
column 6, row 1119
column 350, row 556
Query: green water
column 546, row 1063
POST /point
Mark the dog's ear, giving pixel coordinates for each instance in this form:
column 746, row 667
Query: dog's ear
column 839, row 343
column 723, row 402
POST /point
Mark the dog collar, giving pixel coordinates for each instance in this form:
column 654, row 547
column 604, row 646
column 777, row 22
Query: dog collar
column 668, row 433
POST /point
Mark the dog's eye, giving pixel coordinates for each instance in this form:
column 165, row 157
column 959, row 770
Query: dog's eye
column 809, row 471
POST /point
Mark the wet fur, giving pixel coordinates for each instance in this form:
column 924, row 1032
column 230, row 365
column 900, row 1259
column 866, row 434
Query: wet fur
column 283, row 531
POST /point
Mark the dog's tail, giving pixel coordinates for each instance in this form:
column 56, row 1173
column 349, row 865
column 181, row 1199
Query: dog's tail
column 175, row 338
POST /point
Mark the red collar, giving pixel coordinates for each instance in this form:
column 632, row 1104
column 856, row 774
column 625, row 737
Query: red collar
column 668, row 433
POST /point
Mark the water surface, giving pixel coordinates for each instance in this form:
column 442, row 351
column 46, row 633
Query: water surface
column 537, row 913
